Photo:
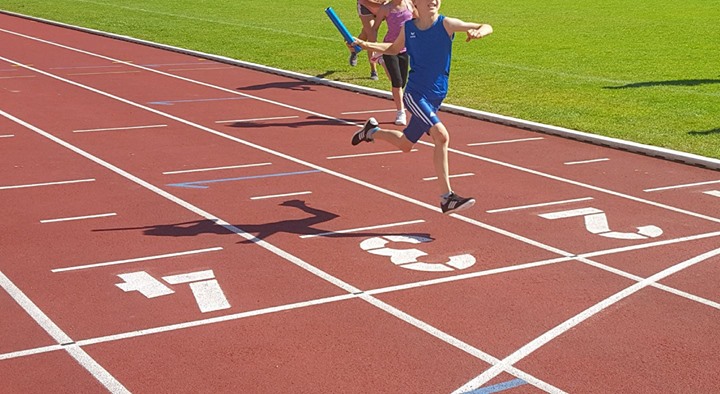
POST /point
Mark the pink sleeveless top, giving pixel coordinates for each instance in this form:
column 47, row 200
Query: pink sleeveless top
column 395, row 21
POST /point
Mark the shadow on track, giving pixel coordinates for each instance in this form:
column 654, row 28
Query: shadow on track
column 304, row 226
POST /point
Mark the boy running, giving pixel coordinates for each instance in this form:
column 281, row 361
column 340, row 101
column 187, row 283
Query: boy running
column 428, row 40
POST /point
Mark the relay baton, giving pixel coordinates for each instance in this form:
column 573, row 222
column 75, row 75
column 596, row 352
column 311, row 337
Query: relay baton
column 341, row 28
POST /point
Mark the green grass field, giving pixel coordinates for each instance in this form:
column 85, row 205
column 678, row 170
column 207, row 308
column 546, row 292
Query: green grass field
column 645, row 71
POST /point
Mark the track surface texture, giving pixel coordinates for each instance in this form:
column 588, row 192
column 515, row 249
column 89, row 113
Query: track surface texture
column 173, row 224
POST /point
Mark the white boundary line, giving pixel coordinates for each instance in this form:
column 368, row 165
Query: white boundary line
column 648, row 150
column 7, row 135
column 572, row 163
column 681, row 186
column 152, row 126
column 256, row 119
column 714, row 193
column 372, row 111
column 354, row 230
column 544, row 204
column 280, row 195
column 100, row 215
column 216, row 168
column 505, row 141
column 65, row 342
column 392, row 152
column 137, row 259
column 46, row 184
column 432, row 178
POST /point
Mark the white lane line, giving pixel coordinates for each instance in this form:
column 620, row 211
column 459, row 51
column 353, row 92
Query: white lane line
column 570, row 163
column 372, row 111
column 280, row 195
column 100, row 215
column 152, row 126
column 256, row 119
column 19, row 76
column 433, row 178
column 505, row 141
column 216, row 168
column 106, row 73
column 135, row 260
column 681, row 186
column 562, row 328
column 46, row 184
column 97, row 371
column 200, row 69
column 545, row 204
column 7, row 135
column 714, row 193
column 368, row 154
column 353, row 230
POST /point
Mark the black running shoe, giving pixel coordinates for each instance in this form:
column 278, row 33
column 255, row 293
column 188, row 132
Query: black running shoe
column 364, row 133
column 353, row 59
column 455, row 203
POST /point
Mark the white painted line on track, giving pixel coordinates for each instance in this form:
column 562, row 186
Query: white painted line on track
column 152, row 126
column 681, row 186
column 100, row 215
column 571, row 163
column 97, row 371
column 280, row 195
column 107, row 73
column 7, row 135
column 562, row 328
column 434, row 178
column 544, row 204
column 19, row 76
column 138, row 259
column 216, row 168
column 354, row 230
column 714, row 193
column 372, row 111
column 256, row 119
column 201, row 68
column 46, row 184
column 368, row 154
column 505, row 141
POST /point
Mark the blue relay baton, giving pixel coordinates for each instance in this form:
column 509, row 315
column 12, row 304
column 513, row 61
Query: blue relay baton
column 341, row 28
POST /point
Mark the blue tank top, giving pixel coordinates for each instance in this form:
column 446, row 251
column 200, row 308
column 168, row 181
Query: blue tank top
column 430, row 53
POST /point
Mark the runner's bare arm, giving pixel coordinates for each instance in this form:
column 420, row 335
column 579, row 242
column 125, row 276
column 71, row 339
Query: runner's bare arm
column 386, row 48
column 473, row 30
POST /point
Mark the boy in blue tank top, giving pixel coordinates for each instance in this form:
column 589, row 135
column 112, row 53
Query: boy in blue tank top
column 428, row 40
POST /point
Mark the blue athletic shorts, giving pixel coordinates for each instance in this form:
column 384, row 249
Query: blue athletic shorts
column 424, row 115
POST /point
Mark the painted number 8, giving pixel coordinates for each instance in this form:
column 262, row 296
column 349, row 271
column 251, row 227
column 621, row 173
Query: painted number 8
column 408, row 258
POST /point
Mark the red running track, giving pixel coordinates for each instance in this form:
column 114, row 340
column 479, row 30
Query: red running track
column 172, row 224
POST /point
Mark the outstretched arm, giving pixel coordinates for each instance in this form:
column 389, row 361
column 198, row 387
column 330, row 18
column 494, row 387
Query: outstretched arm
column 473, row 30
column 385, row 47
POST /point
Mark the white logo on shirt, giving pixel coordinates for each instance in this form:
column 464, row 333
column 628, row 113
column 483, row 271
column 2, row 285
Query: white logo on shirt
column 412, row 34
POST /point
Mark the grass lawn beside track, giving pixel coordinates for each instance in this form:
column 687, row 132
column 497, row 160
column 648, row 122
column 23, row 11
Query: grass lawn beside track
column 641, row 71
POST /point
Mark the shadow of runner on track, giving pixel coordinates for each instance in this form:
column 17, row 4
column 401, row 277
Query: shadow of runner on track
column 305, row 226
column 311, row 120
column 291, row 85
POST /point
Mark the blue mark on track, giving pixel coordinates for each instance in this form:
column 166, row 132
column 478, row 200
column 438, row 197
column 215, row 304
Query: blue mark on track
column 171, row 102
column 496, row 388
column 200, row 184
